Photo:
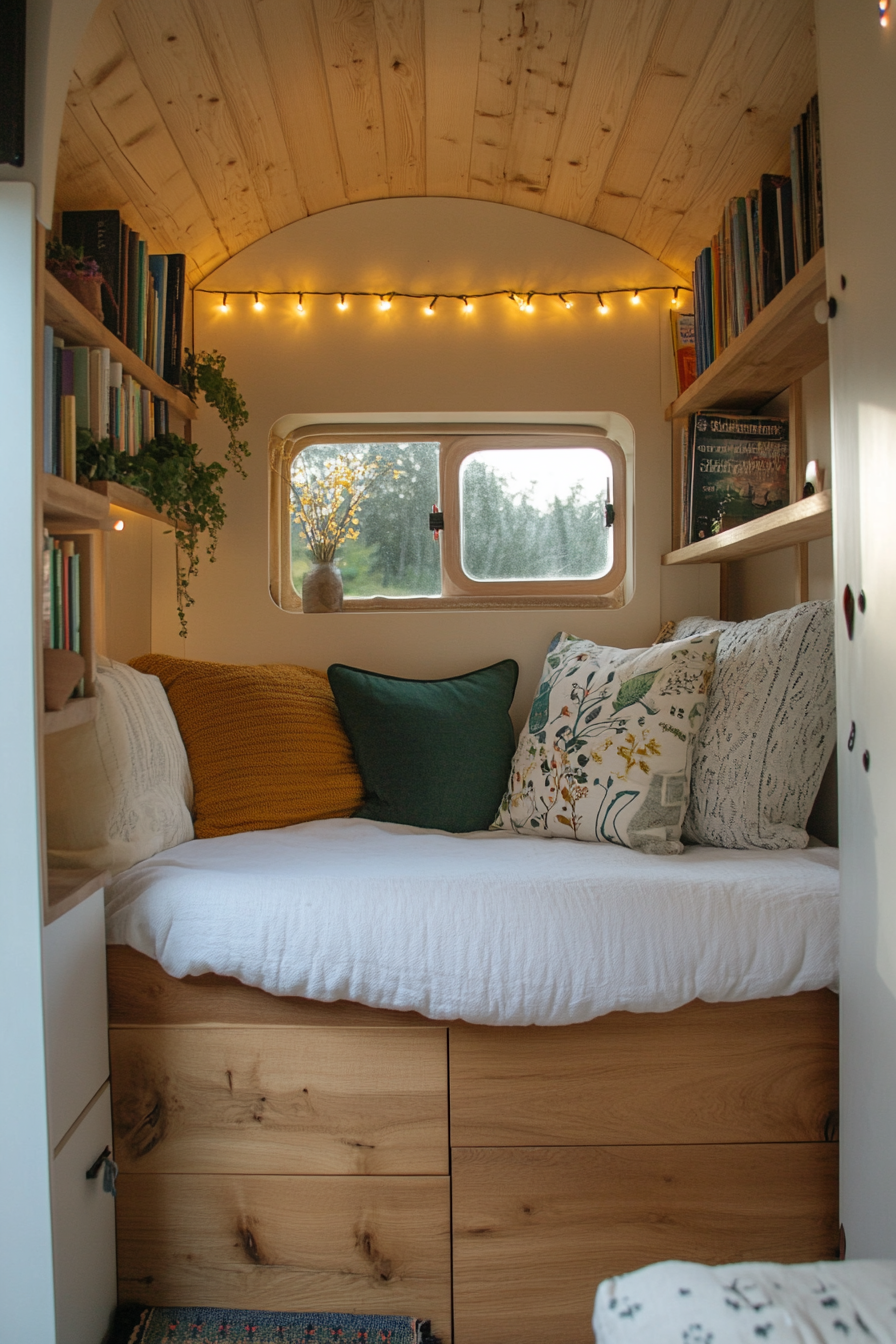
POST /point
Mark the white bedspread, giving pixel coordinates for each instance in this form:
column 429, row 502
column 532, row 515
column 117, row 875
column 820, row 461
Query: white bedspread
column 490, row 927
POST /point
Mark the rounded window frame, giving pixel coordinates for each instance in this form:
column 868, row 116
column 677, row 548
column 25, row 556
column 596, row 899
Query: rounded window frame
column 456, row 443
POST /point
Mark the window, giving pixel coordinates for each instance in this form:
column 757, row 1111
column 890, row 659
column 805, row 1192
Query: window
column 529, row 517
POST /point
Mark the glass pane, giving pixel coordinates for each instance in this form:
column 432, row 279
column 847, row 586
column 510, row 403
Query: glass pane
column 535, row 513
column 383, row 544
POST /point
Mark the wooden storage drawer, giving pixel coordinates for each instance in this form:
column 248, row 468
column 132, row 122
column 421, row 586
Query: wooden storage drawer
column 281, row 1100
column 75, row 1009
column 536, row 1229
column 83, row 1231
column 288, row 1243
column 757, row 1072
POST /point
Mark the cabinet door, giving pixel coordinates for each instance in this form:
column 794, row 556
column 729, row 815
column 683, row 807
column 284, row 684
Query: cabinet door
column 83, row 1231
column 75, row 1008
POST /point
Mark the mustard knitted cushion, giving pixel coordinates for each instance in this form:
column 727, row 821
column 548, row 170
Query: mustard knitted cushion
column 266, row 745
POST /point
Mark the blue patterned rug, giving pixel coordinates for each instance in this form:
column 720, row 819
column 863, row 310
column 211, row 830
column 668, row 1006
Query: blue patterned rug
column 177, row 1325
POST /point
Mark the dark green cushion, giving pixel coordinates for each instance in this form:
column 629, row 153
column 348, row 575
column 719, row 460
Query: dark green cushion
column 431, row 753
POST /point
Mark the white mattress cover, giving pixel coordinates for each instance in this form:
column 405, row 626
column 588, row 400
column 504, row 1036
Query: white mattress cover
column 489, row 927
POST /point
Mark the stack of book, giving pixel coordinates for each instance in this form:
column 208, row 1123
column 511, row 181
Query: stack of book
column 143, row 296
column 84, row 388
column 764, row 239
column 734, row 467
column 61, row 595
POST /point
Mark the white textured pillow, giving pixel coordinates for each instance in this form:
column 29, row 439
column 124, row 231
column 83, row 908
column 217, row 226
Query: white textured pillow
column 118, row 789
column 606, row 753
column 769, row 729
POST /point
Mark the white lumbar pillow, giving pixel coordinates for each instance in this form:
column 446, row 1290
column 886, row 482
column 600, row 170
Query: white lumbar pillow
column 769, row 729
column 606, row 753
column 118, row 789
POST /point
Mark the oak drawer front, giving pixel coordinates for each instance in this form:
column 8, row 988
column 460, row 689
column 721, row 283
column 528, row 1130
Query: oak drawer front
column 536, row 1229
column 288, row 1243
column 280, row 1100
column 757, row 1072
column 83, row 1231
column 75, row 1009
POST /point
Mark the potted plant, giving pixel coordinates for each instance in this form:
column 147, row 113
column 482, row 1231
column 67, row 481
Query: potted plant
column 80, row 275
column 326, row 497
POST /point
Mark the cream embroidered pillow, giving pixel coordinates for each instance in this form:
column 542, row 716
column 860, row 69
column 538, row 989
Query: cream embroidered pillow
column 607, row 752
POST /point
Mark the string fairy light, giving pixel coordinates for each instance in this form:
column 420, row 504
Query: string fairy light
column 884, row 12
column 522, row 299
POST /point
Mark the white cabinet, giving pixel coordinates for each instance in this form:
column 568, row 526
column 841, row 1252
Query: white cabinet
column 77, row 1029
column 83, row 1230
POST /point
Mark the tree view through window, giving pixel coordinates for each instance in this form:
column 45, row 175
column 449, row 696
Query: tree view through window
column 527, row 513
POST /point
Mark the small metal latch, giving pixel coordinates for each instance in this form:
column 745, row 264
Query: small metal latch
column 436, row 520
column 609, row 514
column 109, row 1168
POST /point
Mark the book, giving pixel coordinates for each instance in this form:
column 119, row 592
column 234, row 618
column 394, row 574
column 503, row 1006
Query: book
column 98, row 232
column 770, row 237
column 133, row 270
column 174, row 317
column 46, row 606
column 684, row 348
column 49, row 402
column 69, row 437
column 81, row 384
column 738, row 468
column 785, row 228
column 158, row 267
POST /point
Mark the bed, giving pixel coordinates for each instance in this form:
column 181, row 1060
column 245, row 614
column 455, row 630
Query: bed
column 369, row 1067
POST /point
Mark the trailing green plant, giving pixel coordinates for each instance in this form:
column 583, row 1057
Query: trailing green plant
column 204, row 372
column 168, row 471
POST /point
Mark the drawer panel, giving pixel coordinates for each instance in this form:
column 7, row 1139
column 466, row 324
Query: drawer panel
column 281, row 1100
column 83, row 1232
column 757, row 1072
column 536, row 1229
column 288, row 1243
column 74, row 951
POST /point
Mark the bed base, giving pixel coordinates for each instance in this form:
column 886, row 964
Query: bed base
column 297, row 1155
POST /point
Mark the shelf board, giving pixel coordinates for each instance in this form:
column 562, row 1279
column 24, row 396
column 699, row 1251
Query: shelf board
column 783, row 343
column 65, row 502
column 71, row 319
column 125, row 498
column 74, row 712
column 68, row 887
column 806, row 520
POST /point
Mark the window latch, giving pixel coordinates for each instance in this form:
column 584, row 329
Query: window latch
column 609, row 514
column 436, row 522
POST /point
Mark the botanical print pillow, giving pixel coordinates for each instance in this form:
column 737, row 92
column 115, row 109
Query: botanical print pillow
column 606, row 754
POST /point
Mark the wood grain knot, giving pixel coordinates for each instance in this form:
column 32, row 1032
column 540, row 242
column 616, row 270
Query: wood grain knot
column 249, row 1244
column 380, row 1265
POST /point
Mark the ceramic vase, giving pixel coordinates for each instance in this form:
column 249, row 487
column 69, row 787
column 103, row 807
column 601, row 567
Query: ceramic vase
column 322, row 589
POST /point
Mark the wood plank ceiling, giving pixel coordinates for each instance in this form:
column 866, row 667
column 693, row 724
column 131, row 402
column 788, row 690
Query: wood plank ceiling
column 210, row 123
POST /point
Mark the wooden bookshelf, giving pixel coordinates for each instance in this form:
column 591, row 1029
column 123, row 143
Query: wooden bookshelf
column 70, row 319
column 73, row 505
column 126, row 498
column 782, row 344
column 72, row 714
column 806, row 520
column 68, row 887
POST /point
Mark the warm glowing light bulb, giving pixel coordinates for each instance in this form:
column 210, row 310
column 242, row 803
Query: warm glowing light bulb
column 385, row 303
column 258, row 305
column 342, row 305
column 225, row 306
column 300, row 307
column 884, row 7
column 567, row 303
column 636, row 297
column 468, row 307
column 119, row 526
column 429, row 310
column 528, row 306
column 602, row 307
column 675, row 298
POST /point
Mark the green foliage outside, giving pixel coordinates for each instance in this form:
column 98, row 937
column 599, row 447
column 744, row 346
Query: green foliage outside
column 505, row 534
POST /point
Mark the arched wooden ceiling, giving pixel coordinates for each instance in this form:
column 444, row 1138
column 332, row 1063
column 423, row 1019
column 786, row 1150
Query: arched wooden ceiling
column 210, row 123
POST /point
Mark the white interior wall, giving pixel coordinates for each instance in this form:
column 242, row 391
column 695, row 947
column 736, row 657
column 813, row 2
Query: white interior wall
column 857, row 89
column 497, row 363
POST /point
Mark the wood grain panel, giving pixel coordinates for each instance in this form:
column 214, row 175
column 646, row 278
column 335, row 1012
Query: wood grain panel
column 682, row 40
column 747, row 44
column 288, row 1243
column 752, row 1072
column 141, row 993
column 308, row 1100
column 452, row 68
column 536, row 1229
column 614, row 48
column 399, row 40
column 288, row 31
column 347, row 34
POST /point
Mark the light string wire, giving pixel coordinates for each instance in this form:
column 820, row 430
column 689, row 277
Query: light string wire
column 522, row 297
